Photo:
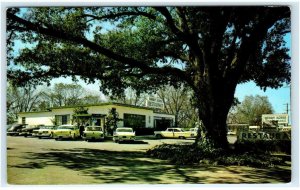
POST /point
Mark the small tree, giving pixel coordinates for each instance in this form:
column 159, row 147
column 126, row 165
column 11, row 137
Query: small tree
column 80, row 115
column 177, row 101
column 65, row 94
column 112, row 121
column 252, row 108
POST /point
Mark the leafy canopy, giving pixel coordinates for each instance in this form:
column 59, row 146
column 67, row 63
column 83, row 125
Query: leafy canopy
column 146, row 47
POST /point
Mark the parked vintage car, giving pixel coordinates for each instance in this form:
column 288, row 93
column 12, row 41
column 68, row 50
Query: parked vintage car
column 66, row 132
column 27, row 131
column 193, row 131
column 44, row 131
column 174, row 133
column 123, row 134
column 93, row 133
column 15, row 129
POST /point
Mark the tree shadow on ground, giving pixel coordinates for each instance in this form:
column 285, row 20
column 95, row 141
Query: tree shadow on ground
column 133, row 142
column 136, row 167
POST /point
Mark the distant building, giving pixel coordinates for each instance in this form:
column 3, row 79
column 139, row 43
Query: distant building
column 132, row 116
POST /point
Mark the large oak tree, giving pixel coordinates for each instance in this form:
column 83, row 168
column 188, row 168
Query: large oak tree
column 208, row 49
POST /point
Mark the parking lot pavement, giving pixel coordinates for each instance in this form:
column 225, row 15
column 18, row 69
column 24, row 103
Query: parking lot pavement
column 46, row 161
column 139, row 145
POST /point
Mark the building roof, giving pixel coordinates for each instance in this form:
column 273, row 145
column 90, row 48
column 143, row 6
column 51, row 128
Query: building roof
column 103, row 104
column 100, row 104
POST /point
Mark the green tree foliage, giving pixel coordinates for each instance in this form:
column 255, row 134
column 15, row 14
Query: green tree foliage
column 112, row 121
column 208, row 49
column 252, row 108
column 80, row 115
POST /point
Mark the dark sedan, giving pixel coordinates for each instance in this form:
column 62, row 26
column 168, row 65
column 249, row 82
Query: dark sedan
column 15, row 129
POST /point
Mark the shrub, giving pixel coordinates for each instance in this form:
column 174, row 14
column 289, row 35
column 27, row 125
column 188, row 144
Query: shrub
column 191, row 154
column 263, row 146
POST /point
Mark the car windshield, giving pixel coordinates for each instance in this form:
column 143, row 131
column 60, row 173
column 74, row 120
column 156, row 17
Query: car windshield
column 66, row 127
column 124, row 130
column 93, row 129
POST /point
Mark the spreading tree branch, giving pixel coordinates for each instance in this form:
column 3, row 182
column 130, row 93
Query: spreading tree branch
column 116, row 15
column 59, row 34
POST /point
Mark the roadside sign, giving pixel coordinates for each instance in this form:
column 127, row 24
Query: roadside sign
column 264, row 136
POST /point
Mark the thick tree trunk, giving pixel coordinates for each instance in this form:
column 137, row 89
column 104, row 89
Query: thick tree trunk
column 213, row 132
column 213, row 105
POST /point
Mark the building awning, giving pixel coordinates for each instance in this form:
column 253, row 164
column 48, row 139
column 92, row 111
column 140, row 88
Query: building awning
column 82, row 115
column 98, row 115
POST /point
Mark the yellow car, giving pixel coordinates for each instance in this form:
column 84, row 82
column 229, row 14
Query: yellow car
column 66, row 132
column 93, row 133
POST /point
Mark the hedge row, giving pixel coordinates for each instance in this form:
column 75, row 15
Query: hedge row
column 256, row 154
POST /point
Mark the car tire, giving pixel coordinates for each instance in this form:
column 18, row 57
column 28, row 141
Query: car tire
column 158, row 136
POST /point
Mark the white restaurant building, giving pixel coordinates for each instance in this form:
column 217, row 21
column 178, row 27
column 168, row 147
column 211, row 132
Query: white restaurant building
column 132, row 116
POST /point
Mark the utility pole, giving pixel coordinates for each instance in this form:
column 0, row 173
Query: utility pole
column 287, row 108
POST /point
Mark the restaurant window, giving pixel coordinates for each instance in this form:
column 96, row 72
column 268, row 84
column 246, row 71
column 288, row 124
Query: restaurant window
column 62, row 119
column 134, row 121
column 23, row 120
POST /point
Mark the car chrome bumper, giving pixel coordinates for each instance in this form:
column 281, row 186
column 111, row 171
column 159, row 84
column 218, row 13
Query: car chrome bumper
column 124, row 138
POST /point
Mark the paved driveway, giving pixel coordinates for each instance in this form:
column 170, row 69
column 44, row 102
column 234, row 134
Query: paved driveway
column 46, row 161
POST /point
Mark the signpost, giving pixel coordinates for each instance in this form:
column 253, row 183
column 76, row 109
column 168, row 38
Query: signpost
column 264, row 136
column 154, row 102
column 281, row 119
